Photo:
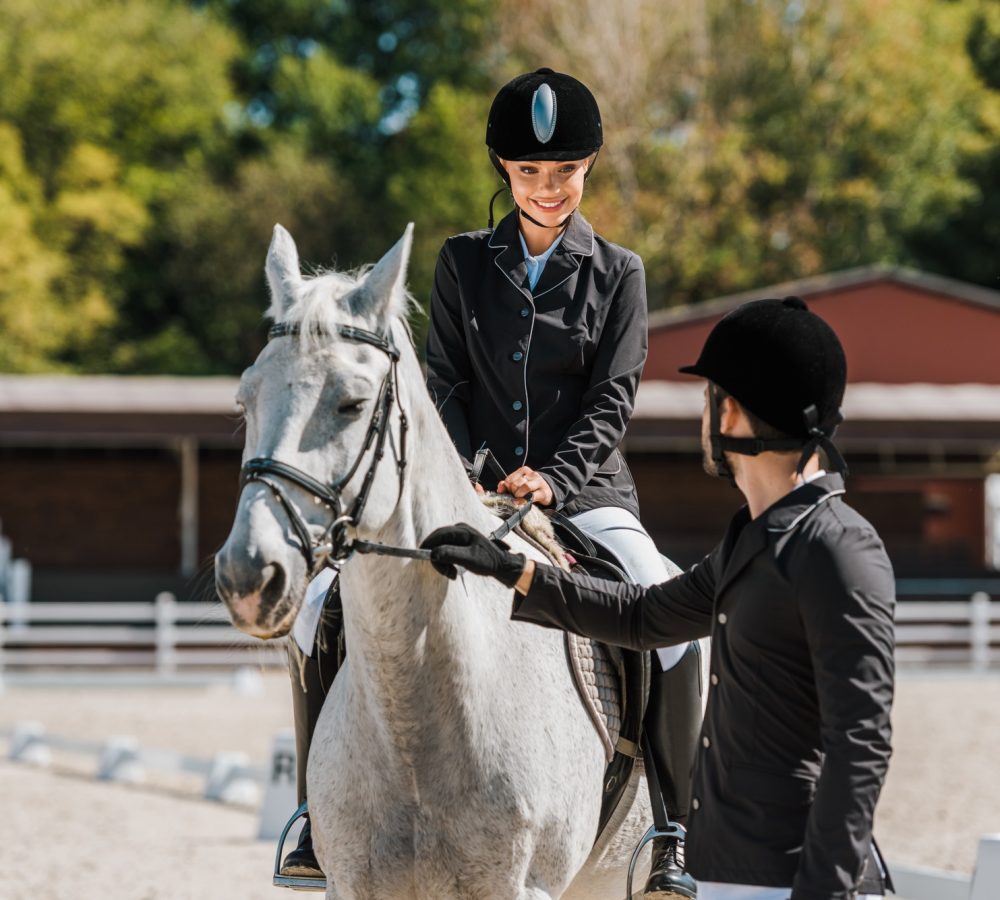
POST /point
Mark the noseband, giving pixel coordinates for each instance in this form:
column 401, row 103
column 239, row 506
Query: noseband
column 333, row 547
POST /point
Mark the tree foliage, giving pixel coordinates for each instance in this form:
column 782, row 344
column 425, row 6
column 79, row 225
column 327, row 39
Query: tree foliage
column 103, row 103
column 147, row 147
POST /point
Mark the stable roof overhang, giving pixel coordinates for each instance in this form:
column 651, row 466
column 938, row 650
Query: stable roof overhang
column 110, row 409
column 957, row 417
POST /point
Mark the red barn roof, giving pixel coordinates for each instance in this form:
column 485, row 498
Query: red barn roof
column 898, row 327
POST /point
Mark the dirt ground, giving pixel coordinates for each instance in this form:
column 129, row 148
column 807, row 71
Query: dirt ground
column 65, row 836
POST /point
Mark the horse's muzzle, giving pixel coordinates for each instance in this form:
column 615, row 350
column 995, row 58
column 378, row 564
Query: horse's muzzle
column 258, row 606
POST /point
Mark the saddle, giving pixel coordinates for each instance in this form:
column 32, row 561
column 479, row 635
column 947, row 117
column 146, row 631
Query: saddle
column 613, row 683
column 634, row 671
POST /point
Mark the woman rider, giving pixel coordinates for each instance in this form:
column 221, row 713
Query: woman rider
column 537, row 340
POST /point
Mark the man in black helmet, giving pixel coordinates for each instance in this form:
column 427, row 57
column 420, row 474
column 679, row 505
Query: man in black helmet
column 798, row 598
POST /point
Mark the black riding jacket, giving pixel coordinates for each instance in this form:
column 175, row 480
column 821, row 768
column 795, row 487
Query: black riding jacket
column 544, row 378
column 796, row 738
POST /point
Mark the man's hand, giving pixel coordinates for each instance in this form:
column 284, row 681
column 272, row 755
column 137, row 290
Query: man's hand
column 461, row 545
column 524, row 481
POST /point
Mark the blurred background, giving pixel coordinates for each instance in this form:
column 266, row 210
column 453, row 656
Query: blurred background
column 847, row 151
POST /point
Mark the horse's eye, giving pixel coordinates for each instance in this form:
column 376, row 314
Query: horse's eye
column 350, row 407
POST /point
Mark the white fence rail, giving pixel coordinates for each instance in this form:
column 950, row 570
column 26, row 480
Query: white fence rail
column 956, row 632
column 166, row 638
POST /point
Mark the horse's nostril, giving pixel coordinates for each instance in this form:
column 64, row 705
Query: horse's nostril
column 273, row 588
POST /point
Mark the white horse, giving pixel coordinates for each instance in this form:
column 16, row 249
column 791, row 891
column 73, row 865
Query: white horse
column 453, row 757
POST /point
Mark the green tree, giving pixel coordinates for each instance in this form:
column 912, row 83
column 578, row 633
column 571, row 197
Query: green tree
column 754, row 142
column 206, row 316
column 966, row 244
column 103, row 102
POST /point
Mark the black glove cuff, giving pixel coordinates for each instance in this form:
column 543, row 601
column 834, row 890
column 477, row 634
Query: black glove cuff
column 509, row 571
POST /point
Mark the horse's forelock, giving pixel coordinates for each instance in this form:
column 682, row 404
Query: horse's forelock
column 319, row 306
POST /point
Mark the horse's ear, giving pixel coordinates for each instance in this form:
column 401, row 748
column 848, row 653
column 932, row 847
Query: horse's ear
column 282, row 272
column 382, row 296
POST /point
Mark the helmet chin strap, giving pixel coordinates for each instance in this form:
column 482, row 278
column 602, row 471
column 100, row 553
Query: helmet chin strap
column 721, row 444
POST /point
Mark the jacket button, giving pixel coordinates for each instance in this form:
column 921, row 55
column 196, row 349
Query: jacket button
column 517, row 404
column 517, row 356
column 723, row 618
column 705, row 742
column 519, row 451
column 695, row 803
column 714, row 679
column 525, row 313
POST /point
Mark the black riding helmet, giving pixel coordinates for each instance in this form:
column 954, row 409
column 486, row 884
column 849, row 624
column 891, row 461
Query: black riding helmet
column 785, row 365
column 543, row 115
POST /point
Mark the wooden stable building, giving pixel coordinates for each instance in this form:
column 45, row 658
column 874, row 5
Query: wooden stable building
column 118, row 488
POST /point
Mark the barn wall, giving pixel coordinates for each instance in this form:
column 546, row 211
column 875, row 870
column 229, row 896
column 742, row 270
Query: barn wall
column 892, row 334
column 96, row 509
column 931, row 526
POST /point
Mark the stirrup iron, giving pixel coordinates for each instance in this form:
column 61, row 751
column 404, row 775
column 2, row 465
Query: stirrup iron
column 294, row 882
column 673, row 830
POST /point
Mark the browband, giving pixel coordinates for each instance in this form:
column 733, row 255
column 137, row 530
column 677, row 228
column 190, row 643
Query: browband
column 285, row 329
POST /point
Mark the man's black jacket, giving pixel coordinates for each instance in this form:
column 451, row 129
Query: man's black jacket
column 544, row 378
column 796, row 738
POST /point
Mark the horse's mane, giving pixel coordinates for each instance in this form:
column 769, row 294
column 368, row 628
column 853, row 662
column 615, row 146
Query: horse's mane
column 318, row 308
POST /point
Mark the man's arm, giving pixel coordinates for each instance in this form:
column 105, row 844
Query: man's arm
column 846, row 594
column 626, row 615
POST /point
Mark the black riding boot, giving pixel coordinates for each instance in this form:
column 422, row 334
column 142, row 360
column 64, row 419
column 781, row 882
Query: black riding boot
column 309, row 690
column 672, row 725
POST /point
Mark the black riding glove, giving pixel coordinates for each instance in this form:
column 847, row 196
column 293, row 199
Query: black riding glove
column 462, row 545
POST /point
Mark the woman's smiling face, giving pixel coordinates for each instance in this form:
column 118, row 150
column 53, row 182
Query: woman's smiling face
column 547, row 190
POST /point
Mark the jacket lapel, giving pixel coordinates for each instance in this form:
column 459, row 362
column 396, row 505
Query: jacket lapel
column 508, row 256
column 779, row 519
column 577, row 242
column 745, row 546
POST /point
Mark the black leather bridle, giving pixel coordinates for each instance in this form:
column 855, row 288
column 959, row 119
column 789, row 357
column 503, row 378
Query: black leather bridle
column 332, row 547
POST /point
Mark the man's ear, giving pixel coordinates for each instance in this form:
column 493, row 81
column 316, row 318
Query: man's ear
column 732, row 419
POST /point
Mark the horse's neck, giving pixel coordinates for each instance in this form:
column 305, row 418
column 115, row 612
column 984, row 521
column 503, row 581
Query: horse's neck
column 417, row 640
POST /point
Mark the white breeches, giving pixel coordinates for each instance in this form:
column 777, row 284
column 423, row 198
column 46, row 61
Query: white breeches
column 623, row 534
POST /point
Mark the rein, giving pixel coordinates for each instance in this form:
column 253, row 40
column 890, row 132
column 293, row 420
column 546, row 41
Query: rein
column 333, row 548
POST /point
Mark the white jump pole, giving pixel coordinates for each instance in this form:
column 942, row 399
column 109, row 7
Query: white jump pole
column 119, row 761
column 30, row 745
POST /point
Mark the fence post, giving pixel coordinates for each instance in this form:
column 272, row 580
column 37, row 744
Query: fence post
column 3, row 628
column 979, row 619
column 166, row 635
column 5, row 560
column 18, row 593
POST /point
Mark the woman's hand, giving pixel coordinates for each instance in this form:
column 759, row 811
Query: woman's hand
column 524, row 481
